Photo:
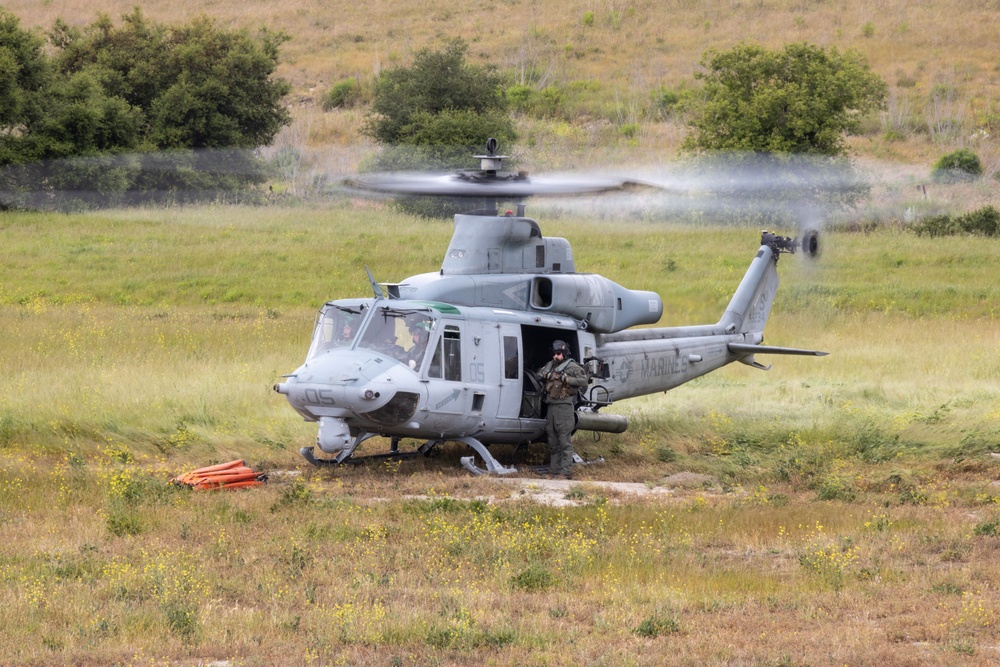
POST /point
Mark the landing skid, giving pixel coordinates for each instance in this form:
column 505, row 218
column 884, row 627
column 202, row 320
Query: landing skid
column 493, row 467
column 307, row 454
column 469, row 463
column 347, row 455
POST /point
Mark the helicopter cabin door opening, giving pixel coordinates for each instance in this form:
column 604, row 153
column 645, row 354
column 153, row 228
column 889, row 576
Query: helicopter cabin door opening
column 537, row 343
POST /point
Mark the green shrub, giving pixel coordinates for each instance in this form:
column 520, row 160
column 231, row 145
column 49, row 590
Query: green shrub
column 548, row 102
column 182, row 619
column 758, row 100
column 656, row 625
column 535, row 578
column 937, row 225
column 520, row 97
column 665, row 101
column 295, row 494
column 984, row 222
column 836, row 487
column 344, row 93
column 406, row 99
column 666, row 455
column 957, row 166
column 124, row 522
column 629, row 130
column 987, row 528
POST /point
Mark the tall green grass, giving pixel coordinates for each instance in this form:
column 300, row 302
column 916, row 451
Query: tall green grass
column 164, row 329
column 847, row 514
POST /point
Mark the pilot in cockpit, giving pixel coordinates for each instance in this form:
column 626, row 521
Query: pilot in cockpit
column 419, row 334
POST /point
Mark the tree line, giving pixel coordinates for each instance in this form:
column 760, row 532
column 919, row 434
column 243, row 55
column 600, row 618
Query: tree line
column 139, row 107
column 144, row 109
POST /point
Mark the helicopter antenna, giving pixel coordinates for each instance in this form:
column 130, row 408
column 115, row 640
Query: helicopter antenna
column 379, row 292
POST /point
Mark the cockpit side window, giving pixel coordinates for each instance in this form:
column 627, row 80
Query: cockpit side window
column 335, row 327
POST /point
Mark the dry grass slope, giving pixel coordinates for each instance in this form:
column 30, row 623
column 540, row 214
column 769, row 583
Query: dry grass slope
column 938, row 56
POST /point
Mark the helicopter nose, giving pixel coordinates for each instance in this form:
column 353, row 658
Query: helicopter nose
column 356, row 384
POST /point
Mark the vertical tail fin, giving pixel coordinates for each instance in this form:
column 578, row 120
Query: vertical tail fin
column 751, row 304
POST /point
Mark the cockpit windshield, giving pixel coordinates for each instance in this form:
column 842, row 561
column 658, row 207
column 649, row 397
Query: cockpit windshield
column 336, row 326
column 398, row 333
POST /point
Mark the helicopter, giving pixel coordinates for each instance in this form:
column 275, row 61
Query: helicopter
column 449, row 356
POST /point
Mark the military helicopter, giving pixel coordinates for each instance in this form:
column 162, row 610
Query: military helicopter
column 449, row 355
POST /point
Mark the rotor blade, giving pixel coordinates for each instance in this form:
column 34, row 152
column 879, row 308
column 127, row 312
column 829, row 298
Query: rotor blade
column 452, row 185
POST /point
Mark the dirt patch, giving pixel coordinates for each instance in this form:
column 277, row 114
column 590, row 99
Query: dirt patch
column 569, row 493
column 690, row 480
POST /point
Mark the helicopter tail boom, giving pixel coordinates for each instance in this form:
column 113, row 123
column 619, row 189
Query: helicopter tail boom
column 750, row 306
column 644, row 361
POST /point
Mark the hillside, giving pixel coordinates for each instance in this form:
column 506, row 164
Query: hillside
column 605, row 60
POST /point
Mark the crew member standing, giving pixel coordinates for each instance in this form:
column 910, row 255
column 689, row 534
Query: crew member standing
column 562, row 378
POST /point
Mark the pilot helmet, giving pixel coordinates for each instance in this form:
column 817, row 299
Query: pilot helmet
column 560, row 346
column 421, row 327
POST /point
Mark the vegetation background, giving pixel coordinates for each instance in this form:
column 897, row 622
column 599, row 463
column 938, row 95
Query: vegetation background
column 608, row 71
column 836, row 511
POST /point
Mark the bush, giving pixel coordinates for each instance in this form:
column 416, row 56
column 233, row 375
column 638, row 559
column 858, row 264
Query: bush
column 535, row 578
column 984, row 222
column 520, row 97
column 957, row 166
column 989, row 528
column 802, row 99
column 629, row 130
column 88, row 122
column 656, row 625
column 550, row 102
column 124, row 522
column 404, row 98
column 345, row 93
column 666, row 455
column 836, row 487
column 938, row 225
column 665, row 102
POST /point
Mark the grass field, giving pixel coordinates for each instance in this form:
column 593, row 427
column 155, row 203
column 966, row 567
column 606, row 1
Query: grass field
column 851, row 513
column 844, row 511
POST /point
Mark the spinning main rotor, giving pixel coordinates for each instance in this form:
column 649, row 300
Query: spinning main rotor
column 488, row 181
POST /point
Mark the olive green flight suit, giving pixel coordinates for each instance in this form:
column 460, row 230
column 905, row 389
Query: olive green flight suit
column 562, row 380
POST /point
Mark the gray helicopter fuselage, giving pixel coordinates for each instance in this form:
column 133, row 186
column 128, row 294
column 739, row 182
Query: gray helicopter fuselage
column 452, row 355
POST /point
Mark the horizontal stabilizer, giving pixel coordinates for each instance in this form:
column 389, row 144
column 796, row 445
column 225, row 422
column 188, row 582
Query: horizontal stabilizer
column 741, row 348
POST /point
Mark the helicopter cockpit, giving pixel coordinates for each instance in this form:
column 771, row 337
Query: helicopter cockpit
column 402, row 334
